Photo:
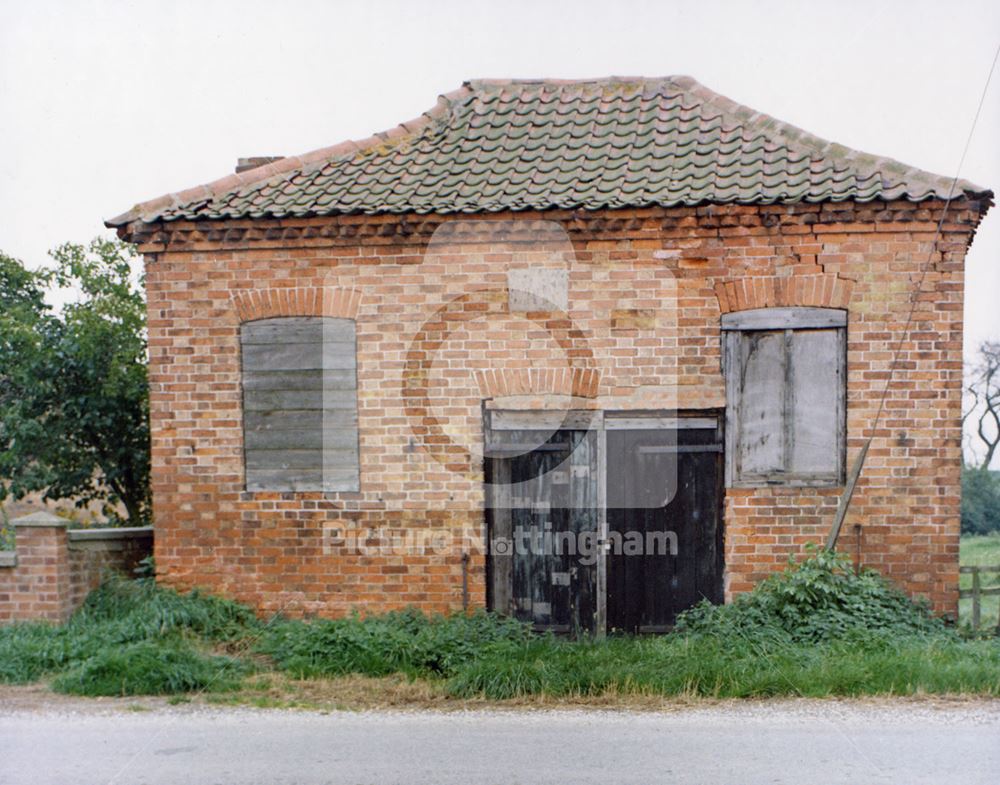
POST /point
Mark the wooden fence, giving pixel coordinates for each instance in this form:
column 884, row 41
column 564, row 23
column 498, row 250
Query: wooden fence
column 978, row 591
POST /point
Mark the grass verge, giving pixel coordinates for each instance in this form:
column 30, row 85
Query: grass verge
column 151, row 668
column 816, row 630
column 131, row 638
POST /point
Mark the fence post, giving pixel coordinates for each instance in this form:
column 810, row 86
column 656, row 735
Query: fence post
column 975, row 598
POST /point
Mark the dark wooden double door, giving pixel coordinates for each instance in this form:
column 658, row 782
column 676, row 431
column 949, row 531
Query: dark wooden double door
column 661, row 552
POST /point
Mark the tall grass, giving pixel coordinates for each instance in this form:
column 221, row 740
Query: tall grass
column 119, row 628
column 402, row 642
column 699, row 665
column 815, row 630
column 150, row 667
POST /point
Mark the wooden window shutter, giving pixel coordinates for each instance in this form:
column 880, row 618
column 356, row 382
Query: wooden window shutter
column 815, row 403
column 300, row 421
column 786, row 397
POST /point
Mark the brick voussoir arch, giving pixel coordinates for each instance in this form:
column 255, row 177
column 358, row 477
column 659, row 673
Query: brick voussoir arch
column 335, row 301
column 824, row 290
column 577, row 382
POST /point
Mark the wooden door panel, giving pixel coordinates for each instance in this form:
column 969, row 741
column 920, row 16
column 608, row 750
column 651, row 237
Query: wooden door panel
column 647, row 591
column 552, row 493
column 667, row 484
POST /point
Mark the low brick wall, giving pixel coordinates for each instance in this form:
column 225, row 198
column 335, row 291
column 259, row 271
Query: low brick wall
column 53, row 568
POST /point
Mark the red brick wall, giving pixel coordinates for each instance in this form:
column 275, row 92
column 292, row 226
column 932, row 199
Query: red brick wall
column 646, row 289
column 53, row 575
column 38, row 587
column 90, row 561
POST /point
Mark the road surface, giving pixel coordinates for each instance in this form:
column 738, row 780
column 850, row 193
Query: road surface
column 749, row 743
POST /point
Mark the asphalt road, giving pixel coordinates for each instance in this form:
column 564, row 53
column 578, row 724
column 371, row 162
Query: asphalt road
column 799, row 742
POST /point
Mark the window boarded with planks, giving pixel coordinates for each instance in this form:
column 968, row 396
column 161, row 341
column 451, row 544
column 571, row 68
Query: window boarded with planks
column 300, row 406
column 786, row 396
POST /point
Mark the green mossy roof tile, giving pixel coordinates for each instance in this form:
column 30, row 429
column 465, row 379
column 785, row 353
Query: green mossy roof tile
column 514, row 145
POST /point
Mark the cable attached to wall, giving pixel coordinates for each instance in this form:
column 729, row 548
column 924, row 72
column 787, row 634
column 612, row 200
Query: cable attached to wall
column 843, row 505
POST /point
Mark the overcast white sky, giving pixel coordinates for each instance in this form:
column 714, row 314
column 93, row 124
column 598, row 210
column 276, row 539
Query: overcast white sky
column 107, row 103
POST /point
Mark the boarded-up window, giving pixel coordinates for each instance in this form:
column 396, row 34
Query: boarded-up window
column 300, row 420
column 786, row 396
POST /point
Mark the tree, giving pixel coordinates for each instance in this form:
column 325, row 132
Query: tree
column 980, row 501
column 74, row 397
column 983, row 392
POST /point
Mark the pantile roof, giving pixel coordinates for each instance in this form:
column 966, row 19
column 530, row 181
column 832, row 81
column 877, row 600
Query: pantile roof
column 532, row 145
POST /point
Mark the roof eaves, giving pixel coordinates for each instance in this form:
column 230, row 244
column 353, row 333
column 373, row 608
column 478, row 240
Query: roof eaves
column 149, row 211
column 939, row 186
column 878, row 175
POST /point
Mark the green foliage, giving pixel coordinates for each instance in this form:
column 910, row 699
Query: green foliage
column 115, row 618
column 20, row 289
column 6, row 532
column 132, row 610
column 701, row 665
column 29, row 650
column 504, row 672
column 74, row 419
column 405, row 642
column 145, row 568
column 980, row 501
column 150, row 668
column 816, row 630
column 818, row 599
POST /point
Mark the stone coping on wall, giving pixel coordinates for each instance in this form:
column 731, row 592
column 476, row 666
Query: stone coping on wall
column 41, row 518
column 115, row 533
column 53, row 568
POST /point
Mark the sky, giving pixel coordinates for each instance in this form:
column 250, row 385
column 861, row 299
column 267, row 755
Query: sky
column 107, row 103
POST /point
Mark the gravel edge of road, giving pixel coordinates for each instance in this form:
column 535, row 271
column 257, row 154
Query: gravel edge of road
column 37, row 700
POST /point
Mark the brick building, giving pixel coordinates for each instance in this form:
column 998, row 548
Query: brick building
column 592, row 312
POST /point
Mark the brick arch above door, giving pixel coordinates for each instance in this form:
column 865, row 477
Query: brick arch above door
column 824, row 290
column 500, row 382
column 337, row 301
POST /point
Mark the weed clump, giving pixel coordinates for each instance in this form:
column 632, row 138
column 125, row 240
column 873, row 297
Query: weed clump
column 406, row 642
column 818, row 599
column 150, row 668
column 115, row 635
column 817, row 629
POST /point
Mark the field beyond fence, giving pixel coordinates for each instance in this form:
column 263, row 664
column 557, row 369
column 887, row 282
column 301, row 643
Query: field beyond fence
column 979, row 606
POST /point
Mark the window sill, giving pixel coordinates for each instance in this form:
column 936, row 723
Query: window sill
column 792, row 484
